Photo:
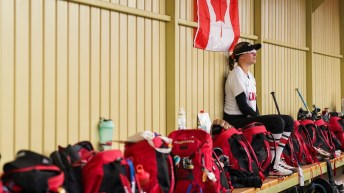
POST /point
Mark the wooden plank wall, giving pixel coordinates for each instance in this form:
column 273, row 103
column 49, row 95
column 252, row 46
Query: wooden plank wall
column 64, row 65
column 326, row 72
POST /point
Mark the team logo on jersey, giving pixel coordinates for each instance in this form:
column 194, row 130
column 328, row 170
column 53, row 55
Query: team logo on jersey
column 252, row 96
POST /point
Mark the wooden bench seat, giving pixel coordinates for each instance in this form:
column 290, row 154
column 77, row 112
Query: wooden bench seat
column 273, row 184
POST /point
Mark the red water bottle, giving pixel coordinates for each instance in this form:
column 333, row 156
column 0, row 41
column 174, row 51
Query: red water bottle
column 142, row 176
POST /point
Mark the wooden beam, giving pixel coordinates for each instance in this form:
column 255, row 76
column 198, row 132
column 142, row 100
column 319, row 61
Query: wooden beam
column 285, row 45
column 122, row 9
column 172, row 69
column 341, row 18
column 316, row 4
column 258, row 31
column 309, row 54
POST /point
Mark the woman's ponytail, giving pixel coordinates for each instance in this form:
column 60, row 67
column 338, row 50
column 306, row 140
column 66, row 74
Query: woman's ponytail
column 231, row 62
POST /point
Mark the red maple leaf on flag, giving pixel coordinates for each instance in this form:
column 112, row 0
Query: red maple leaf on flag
column 218, row 24
column 220, row 7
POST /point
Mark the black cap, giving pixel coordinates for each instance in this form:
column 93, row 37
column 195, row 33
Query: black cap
column 245, row 47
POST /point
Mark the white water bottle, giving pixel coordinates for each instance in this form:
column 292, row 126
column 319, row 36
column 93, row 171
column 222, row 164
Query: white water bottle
column 203, row 121
column 181, row 119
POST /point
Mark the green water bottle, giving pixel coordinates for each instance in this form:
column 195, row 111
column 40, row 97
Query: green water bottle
column 105, row 133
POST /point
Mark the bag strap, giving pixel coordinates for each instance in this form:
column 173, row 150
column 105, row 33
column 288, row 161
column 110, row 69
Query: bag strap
column 190, row 188
column 170, row 163
column 253, row 129
column 132, row 175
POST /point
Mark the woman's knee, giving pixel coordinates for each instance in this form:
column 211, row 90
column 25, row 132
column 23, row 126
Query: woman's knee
column 289, row 123
column 274, row 123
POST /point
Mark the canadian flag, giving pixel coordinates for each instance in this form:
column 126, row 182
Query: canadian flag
column 218, row 25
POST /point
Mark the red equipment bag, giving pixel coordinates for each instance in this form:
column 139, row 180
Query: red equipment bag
column 150, row 153
column 108, row 171
column 336, row 125
column 196, row 169
column 296, row 151
column 31, row 172
column 243, row 165
column 318, row 139
column 1, row 188
column 257, row 135
column 70, row 160
column 329, row 136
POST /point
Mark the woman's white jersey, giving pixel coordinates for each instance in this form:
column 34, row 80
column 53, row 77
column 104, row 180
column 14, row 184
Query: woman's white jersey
column 237, row 82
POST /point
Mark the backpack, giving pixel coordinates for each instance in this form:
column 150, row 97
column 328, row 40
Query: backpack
column 317, row 139
column 329, row 136
column 296, row 152
column 257, row 135
column 31, row 172
column 197, row 168
column 289, row 151
column 336, row 125
column 3, row 189
column 150, row 152
column 70, row 160
column 243, row 166
column 109, row 172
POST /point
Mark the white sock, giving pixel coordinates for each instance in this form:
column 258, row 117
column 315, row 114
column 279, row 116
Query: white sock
column 283, row 140
column 273, row 142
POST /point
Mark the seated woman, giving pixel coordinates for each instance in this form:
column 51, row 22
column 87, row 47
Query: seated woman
column 240, row 106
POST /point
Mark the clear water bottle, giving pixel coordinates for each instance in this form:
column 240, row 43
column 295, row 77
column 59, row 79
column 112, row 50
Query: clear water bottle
column 181, row 119
column 203, row 121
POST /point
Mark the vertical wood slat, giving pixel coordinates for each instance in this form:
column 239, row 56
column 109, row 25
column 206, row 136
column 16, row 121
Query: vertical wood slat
column 220, row 85
column 155, row 78
column 7, row 78
column 73, row 73
column 140, row 76
column 205, row 76
column 84, row 73
column 123, row 76
column 182, row 68
column 49, row 81
column 95, row 34
column 115, row 75
column 155, row 71
column 162, row 79
column 36, row 76
column 211, row 75
column 61, row 73
column 189, row 76
column 199, row 79
column 132, row 76
column 104, row 40
column 194, row 92
column 148, row 73
column 22, row 78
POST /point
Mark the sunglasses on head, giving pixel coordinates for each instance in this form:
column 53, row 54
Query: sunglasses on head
column 248, row 52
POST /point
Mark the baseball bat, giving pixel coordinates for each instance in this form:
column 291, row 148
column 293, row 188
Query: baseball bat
column 274, row 97
column 303, row 101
